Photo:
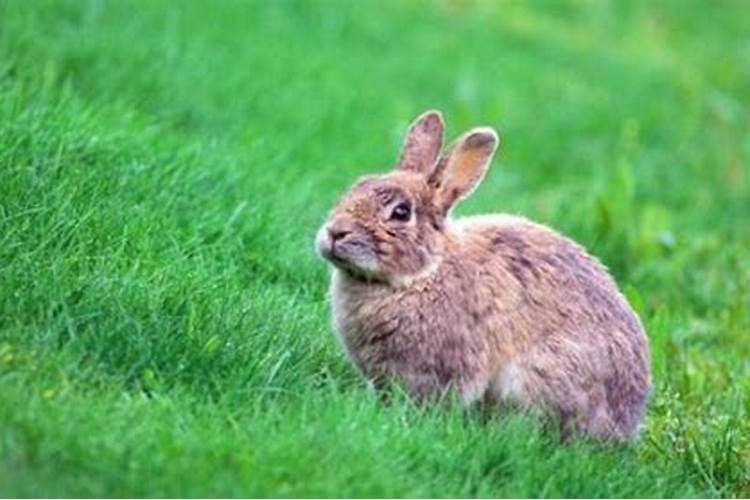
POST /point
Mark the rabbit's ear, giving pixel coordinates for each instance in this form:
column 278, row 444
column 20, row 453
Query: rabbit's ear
column 462, row 167
column 422, row 143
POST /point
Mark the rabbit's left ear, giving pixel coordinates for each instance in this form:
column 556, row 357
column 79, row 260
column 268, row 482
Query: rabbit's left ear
column 462, row 167
column 422, row 143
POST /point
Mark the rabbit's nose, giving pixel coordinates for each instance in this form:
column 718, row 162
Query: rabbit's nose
column 338, row 233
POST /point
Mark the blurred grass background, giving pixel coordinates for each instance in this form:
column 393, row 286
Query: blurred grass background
column 164, row 167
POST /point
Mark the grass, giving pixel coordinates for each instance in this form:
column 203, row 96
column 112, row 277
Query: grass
column 163, row 168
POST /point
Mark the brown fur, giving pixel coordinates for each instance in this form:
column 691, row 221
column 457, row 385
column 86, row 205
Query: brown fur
column 500, row 309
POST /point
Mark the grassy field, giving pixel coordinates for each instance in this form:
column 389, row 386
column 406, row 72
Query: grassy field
column 164, row 167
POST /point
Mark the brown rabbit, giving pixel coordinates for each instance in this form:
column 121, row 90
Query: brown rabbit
column 498, row 308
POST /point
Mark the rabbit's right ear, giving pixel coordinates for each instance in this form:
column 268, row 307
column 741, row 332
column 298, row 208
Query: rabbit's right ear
column 422, row 143
column 462, row 167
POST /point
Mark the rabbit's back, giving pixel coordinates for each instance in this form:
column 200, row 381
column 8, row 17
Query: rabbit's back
column 565, row 337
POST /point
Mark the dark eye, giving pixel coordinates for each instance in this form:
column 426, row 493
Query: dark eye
column 401, row 212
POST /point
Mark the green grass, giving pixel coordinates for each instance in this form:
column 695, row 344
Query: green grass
column 163, row 169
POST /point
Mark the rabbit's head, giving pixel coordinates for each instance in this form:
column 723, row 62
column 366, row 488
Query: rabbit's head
column 392, row 226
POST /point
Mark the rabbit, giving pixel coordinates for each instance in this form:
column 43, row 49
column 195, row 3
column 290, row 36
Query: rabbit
column 501, row 311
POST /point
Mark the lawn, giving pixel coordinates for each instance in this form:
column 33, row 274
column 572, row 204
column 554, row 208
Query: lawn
column 164, row 166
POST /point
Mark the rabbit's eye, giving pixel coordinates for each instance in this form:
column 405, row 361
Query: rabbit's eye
column 401, row 212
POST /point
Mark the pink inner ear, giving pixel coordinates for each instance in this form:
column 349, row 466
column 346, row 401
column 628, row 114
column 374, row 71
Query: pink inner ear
column 461, row 170
column 466, row 168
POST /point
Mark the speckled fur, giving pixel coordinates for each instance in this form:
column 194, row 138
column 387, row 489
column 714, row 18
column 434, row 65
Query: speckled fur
column 500, row 309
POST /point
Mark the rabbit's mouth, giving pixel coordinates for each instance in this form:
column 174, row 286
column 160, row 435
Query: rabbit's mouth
column 358, row 266
column 353, row 270
column 349, row 254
